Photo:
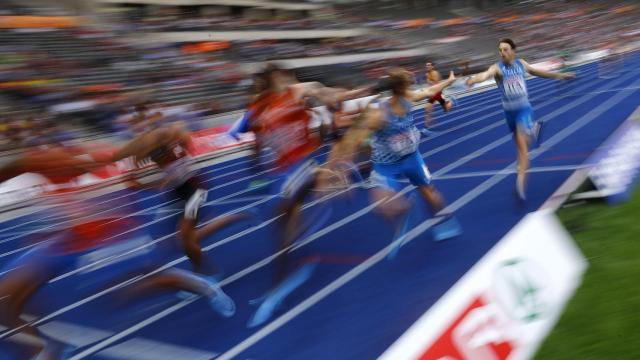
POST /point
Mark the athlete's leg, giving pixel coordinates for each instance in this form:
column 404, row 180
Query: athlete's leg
column 17, row 288
column 524, row 130
column 286, row 277
column 189, row 235
column 446, row 105
column 428, row 114
column 432, row 197
column 417, row 172
column 31, row 272
column 522, row 145
column 194, row 198
column 289, row 225
column 385, row 191
column 181, row 280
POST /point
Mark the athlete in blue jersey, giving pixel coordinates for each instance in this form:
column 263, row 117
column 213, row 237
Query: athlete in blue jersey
column 394, row 140
column 509, row 74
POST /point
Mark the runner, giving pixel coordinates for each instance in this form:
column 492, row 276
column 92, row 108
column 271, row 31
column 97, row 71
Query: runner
column 168, row 147
column 83, row 228
column 284, row 120
column 509, row 74
column 433, row 78
column 394, row 139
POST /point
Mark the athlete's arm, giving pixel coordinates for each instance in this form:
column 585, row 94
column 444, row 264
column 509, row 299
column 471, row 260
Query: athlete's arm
column 491, row 73
column 347, row 118
column 138, row 147
column 355, row 93
column 328, row 95
column 178, row 133
column 418, row 95
column 371, row 121
column 546, row 74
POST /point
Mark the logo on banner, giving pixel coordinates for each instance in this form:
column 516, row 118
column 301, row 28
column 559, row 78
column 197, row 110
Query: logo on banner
column 519, row 286
column 490, row 326
column 481, row 332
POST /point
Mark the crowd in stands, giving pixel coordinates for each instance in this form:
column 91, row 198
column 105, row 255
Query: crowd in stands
column 179, row 20
column 53, row 81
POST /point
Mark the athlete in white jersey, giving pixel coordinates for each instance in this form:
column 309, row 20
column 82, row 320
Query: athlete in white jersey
column 509, row 74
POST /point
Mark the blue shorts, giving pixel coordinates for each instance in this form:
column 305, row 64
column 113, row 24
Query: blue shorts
column 411, row 167
column 91, row 267
column 47, row 258
column 520, row 120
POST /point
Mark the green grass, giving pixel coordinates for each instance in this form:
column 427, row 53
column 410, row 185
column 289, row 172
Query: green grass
column 602, row 321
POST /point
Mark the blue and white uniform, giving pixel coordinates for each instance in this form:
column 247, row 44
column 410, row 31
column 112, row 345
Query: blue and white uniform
column 395, row 150
column 515, row 97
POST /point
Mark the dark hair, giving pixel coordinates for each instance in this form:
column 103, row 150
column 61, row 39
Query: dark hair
column 259, row 83
column 508, row 41
column 272, row 68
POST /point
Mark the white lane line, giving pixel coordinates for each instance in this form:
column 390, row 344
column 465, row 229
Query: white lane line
column 486, row 148
column 439, row 134
column 410, row 236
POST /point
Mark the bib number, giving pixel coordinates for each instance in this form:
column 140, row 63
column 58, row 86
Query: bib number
column 404, row 143
column 515, row 88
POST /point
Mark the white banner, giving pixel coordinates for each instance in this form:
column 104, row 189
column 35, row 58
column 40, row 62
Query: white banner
column 506, row 304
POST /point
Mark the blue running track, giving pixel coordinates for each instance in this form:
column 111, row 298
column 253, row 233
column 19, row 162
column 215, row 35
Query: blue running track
column 358, row 301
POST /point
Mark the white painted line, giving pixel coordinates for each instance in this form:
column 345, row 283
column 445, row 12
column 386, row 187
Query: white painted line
column 486, row 148
column 411, row 235
column 267, row 171
column 103, row 344
column 144, row 349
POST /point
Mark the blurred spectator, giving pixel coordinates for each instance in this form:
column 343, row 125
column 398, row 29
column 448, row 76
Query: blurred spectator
column 91, row 78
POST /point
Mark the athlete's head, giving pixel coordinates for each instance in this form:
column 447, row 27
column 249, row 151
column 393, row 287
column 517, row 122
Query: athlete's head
column 507, row 49
column 430, row 66
column 259, row 84
column 277, row 77
column 399, row 81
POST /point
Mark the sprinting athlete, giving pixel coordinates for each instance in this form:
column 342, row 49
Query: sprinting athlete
column 433, row 78
column 509, row 74
column 247, row 123
column 82, row 229
column 168, row 147
column 284, row 120
column 394, row 141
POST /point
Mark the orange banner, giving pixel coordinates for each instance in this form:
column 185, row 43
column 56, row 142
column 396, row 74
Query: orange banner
column 414, row 23
column 455, row 21
column 624, row 9
column 38, row 22
column 205, row 47
column 538, row 17
column 507, row 19
column 101, row 87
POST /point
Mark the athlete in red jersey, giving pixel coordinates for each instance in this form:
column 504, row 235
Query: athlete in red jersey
column 82, row 230
column 284, row 119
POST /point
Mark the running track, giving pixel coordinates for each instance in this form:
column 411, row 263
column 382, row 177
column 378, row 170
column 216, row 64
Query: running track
column 357, row 303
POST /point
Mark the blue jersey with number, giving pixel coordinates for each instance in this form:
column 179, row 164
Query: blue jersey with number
column 513, row 86
column 398, row 138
